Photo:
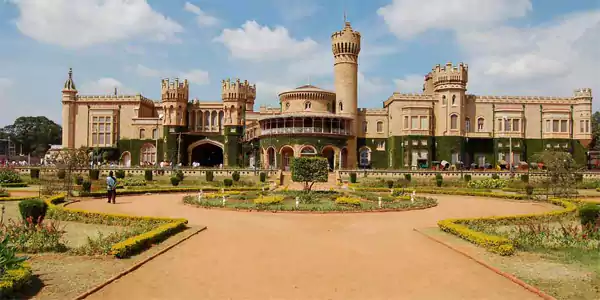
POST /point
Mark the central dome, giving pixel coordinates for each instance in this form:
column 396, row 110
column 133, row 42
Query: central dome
column 307, row 99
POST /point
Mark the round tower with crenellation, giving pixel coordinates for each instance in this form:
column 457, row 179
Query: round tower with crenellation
column 238, row 97
column 345, row 45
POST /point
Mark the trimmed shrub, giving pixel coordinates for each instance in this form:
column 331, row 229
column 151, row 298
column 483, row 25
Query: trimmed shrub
column 578, row 177
column 9, row 176
column 210, row 176
column 34, row 209
column 525, row 178
column 263, row 176
column 347, row 201
column 269, row 200
column 94, row 174
column 352, row 177
column 495, row 176
column 468, row 177
column 148, row 175
column 227, row 182
column 179, row 175
column 408, row 177
column 34, row 173
column 175, row 180
column 529, row 190
column 61, row 174
column 86, row 186
column 439, row 180
column 77, row 179
column 390, row 183
column 235, row 176
column 589, row 214
column 120, row 174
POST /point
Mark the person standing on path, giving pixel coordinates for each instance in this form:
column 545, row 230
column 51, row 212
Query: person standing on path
column 111, row 187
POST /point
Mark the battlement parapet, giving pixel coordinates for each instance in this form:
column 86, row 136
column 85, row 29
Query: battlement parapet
column 449, row 76
column 346, row 41
column 582, row 93
column 522, row 98
column 234, row 90
column 167, row 84
column 373, row 111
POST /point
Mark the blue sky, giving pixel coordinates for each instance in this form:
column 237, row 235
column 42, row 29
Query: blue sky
column 513, row 47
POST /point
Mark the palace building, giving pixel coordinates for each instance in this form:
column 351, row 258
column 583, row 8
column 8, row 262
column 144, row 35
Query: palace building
column 443, row 122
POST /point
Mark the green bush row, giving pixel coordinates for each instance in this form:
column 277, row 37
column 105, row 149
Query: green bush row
column 169, row 190
column 14, row 184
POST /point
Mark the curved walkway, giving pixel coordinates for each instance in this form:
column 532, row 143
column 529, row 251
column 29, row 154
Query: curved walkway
column 297, row 256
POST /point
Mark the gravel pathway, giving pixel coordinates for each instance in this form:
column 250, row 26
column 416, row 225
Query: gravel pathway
column 291, row 256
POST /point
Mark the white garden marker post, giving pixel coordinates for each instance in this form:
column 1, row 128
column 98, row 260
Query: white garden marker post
column 412, row 197
column 379, row 202
column 224, row 200
column 391, row 191
column 297, row 202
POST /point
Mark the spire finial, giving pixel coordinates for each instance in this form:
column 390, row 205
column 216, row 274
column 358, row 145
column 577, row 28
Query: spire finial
column 70, row 73
column 345, row 17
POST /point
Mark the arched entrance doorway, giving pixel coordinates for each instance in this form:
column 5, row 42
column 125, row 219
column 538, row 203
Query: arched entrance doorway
column 287, row 154
column 126, row 159
column 329, row 153
column 344, row 158
column 271, row 158
column 207, row 153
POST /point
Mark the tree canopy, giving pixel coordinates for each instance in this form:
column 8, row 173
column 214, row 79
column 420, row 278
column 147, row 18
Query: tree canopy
column 33, row 135
column 595, row 144
column 309, row 170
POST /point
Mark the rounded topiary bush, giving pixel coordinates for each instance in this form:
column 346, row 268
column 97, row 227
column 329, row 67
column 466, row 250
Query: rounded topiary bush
column 210, row 175
column 86, row 186
column 439, row 180
column 120, row 174
column 578, row 177
column 34, row 173
column 179, row 175
column 495, row 176
column 235, row 176
column 525, row 178
column 589, row 214
column 352, row 177
column 77, row 179
column 263, row 176
column 408, row 177
column 390, row 184
column 529, row 190
column 33, row 210
column 175, row 180
column 468, row 177
column 94, row 174
column 148, row 175
column 61, row 174
column 227, row 182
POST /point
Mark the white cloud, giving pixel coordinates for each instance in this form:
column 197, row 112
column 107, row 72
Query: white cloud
column 295, row 10
column 257, row 43
column 412, row 83
column 407, row 18
column 104, row 86
column 144, row 71
column 202, row 18
column 81, row 23
column 196, row 76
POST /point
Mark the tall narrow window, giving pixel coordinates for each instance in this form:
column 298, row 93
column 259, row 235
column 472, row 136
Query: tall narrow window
column 341, row 106
column 414, row 122
column 453, row 99
column 563, row 126
column 587, row 126
column 155, row 133
column 405, row 122
column 379, row 126
column 555, row 125
column 516, row 125
column 365, row 126
column 548, row 126
column 444, row 100
column 453, row 122
column 425, row 123
column 507, row 125
column 467, row 124
column 480, row 124
column 500, row 125
column 142, row 134
column 581, row 126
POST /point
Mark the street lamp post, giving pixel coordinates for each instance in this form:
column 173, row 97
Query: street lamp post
column 160, row 117
column 510, row 154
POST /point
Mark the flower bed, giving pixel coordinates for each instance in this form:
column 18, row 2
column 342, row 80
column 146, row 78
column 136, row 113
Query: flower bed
column 169, row 190
column 165, row 226
column 499, row 244
column 13, row 279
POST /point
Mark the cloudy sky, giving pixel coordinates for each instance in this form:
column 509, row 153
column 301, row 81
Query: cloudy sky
column 513, row 47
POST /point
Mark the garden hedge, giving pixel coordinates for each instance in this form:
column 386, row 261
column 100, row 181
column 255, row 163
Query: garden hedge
column 13, row 279
column 169, row 190
column 136, row 244
column 442, row 191
column 2, row 199
column 14, row 184
column 499, row 244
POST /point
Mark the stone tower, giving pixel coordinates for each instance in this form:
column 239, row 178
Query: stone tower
column 449, row 85
column 69, row 111
column 345, row 45
column 238, row 97
column 174, row 96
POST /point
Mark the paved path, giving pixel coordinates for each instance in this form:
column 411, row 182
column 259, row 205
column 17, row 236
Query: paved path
column 291, row 256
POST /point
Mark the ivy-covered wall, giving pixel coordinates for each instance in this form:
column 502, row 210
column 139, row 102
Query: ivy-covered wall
column 445, row 145
column 379, row 158
column 232, row 145
column 479, row 146
column 134, row 146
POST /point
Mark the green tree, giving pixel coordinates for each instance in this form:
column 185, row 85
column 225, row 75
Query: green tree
column 309, row 170
column 561, row 172
column 595, row 144
column 33, row 135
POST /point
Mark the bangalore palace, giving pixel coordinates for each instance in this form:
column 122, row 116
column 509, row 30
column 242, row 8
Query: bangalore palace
column 443, row 123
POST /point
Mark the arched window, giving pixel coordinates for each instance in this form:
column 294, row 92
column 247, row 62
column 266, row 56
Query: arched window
column 364, row 157
column 379, row 126
column 365, row 126
column 148, row 154
column 480, row 124
column 307, row 105
column 341, row 106
column 453, row 122
column 308, row 150
column 453, row 99
column 467, row 124
column 287, row 105
column 142, row 134
column 444, row 100
column 155, row 133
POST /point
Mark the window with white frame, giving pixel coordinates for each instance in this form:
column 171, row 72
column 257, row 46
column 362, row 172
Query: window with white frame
column 155, row 133
column 467, row 124
column 148, row 154
column 364, row 157
column 142, row 134
column 379, row 126
column 509, row 124
column 480, row 122
column 425, row 123
column 102, row 130
column 405, row 122
column 414, row 122
column 381, row 145
column 581, row 126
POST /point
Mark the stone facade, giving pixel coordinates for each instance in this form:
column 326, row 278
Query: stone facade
column 443, row 122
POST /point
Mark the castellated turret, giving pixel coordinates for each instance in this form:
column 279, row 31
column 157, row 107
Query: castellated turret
column 583, row 94
column 238, row 97
column 450, row 77
column 174, row 95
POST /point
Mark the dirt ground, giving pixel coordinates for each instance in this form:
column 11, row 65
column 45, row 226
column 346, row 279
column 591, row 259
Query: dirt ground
column 298, row 256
